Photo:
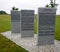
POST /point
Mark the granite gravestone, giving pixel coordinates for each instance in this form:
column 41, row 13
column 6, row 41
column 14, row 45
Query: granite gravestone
column 27, row 23
column 46, row 26
column 15, row 21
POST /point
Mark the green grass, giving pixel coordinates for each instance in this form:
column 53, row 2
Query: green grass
column 5, row 23
column 7, row 45
column 35, row 24
column 57, row 28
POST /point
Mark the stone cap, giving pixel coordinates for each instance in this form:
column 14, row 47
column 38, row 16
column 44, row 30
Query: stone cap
column 27, row 11
column 46, row 10
column 15, row 12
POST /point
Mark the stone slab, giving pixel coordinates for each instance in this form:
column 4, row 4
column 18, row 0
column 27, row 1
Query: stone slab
column 27, row 23
column 15, row 21
column 15, row 16
column 16, row 27
column 46, row 26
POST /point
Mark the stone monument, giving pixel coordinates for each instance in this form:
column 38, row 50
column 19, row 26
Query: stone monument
column 46, row 26
column 46, row 29
column 15, row 21
column 27, row 23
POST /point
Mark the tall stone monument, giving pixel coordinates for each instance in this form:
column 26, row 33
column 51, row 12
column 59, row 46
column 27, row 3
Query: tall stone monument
column 46, row 26
column 27, row 23
column 15, row 21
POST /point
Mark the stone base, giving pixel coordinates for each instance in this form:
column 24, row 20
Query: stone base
column 46, row 48
column 25, row 34
column 30, row 43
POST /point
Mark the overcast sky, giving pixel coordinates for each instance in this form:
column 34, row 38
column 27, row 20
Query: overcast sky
column 6, row 5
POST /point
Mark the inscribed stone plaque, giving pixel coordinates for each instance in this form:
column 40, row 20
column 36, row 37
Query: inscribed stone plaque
column 15, row 21
column 27, row 23
column 46, row 26
column 15, row 16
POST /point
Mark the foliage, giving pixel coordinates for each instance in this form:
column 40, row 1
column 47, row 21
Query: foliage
column 3, row 12
column 52, row 4
column 47, row 5
column 14, row 8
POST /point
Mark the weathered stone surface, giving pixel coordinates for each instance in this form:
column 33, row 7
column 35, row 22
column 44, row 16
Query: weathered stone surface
column 27, row 23
column 15, row 16
column 46, row 26
column 15, row 22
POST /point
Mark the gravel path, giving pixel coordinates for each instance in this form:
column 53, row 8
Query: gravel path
column 30, row 43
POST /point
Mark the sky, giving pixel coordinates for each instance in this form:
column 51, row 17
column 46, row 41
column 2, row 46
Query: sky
column 7, row 5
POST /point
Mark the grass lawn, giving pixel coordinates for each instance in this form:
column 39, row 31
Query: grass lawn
column 5, row 23
column 57, row 28
column 8, row 46
column 5, row 44
column 35, row 24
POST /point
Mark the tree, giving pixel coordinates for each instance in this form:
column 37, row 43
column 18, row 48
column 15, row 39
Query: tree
column 3, row 12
